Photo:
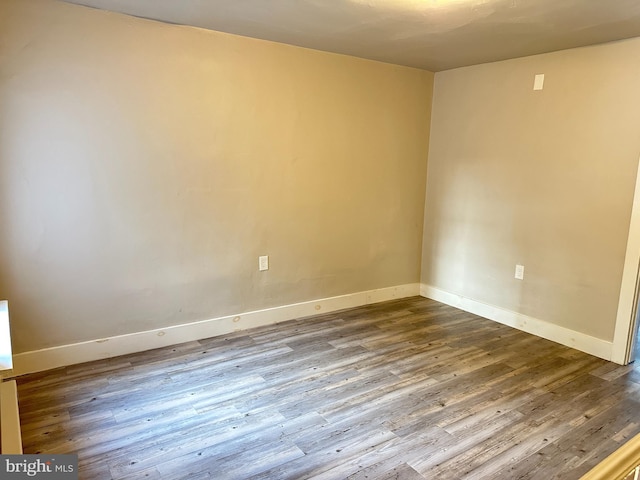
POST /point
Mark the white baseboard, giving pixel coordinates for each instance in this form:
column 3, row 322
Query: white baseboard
column 564, row 336
column 46, row 359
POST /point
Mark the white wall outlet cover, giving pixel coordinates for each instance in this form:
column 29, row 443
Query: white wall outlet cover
column 538, row 81
column 519, row 272
column 263, row 262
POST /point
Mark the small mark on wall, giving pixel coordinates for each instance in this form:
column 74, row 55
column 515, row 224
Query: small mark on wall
column 161, row 334
column 318, row 307
column 236, row 319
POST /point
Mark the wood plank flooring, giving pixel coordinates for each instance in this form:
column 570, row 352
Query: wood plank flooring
column 408, row 389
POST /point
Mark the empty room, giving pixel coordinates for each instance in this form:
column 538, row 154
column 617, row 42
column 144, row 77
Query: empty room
column 351, row 239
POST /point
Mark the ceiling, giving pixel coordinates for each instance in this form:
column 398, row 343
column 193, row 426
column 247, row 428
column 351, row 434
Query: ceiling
column 430, row 34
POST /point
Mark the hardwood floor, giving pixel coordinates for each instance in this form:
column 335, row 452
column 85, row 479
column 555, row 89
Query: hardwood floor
column 408, row 389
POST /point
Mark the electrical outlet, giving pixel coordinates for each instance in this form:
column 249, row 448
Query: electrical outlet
column 263, row 262
column 538, row 81
column 520, row 272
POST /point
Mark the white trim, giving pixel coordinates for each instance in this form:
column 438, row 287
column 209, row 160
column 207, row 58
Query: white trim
column 625, row 318
column 10, row 436
column 570, row 338
column 5, row 337
column 40, row 360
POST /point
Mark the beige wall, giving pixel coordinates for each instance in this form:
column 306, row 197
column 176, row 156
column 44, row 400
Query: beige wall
column 541, row 178
column 144, row 167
